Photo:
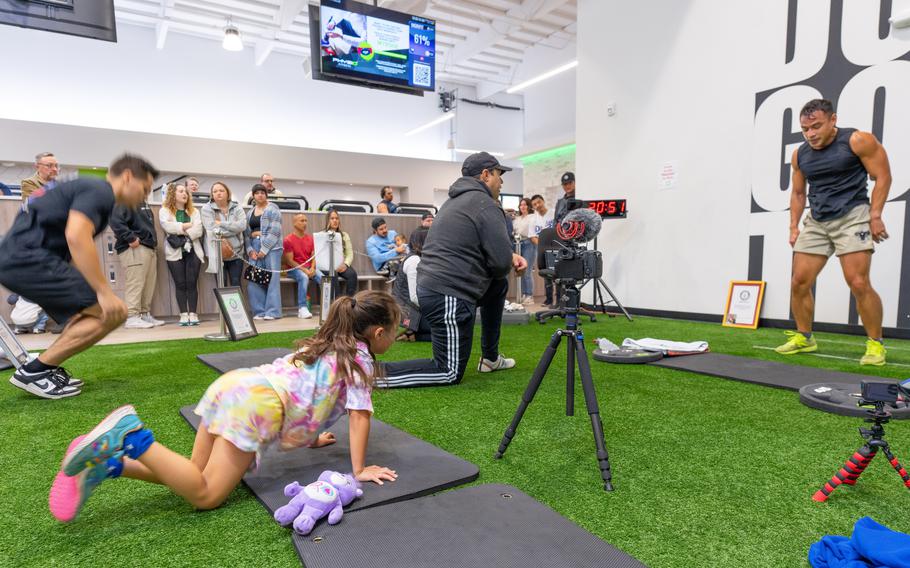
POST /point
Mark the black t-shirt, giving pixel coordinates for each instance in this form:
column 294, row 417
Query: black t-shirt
column 43, row 225
column 255, row 223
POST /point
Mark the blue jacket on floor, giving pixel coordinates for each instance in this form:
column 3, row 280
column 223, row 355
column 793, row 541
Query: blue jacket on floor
column 871, row 546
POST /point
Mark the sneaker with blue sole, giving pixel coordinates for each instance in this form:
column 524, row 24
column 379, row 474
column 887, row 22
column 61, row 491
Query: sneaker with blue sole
column 105, row 441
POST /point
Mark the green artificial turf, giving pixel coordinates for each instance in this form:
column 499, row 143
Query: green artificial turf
column 708, row 472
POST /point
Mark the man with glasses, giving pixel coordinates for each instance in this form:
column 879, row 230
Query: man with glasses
column 49, row 255
column 269, row 182
column 46, row 170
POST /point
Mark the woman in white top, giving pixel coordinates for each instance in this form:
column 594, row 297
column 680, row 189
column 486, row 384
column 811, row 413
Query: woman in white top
column 182, row 225
column 522, row 227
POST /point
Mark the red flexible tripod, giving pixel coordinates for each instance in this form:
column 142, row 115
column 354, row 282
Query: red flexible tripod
column 858, row 462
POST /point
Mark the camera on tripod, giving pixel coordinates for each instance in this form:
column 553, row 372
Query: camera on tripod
column 873, row 392
column 569, row 259
column 573, row 262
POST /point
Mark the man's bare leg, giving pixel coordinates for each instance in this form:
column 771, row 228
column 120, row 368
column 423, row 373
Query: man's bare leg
column 81, row 332
column 806, row 268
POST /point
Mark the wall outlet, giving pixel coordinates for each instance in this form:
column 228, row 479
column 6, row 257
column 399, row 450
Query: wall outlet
column 611, row 109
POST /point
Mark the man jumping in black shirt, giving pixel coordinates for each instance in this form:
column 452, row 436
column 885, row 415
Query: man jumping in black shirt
column 50, row 256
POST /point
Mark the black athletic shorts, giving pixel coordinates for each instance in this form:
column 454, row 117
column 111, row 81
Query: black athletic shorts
column 50, row 282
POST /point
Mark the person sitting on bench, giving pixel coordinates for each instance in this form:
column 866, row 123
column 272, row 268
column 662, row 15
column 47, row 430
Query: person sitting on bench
column 381, row 246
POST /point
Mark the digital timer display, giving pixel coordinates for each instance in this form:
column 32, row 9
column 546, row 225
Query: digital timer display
column 607, row 207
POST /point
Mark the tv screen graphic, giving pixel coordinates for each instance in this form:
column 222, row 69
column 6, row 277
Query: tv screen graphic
column 85, row 18
column 377, row 45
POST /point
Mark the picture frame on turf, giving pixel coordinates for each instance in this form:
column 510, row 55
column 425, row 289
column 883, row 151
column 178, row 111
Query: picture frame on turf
column 236, row 315
column 744, row 300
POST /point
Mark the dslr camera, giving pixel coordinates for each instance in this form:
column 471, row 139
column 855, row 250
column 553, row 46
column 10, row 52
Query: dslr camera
column 569, row 259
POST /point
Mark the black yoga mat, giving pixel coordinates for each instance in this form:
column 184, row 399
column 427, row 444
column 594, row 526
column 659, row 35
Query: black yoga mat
column 767, row 373
column 230, row 360
column 422, row 467
column 473, row 527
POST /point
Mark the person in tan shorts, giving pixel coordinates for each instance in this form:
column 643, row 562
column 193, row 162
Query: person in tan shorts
column 836, row 163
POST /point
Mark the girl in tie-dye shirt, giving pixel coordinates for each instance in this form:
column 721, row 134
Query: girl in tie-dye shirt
column 288, row 402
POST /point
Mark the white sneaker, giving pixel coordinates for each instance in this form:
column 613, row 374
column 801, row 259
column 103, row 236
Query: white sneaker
column 149, row 318
column 527, row 300
column 184, row 319
column 269, row 318
column 136, row 322
column 487, row 366
column 304, row 313
column 194, row 319
column 260, row 317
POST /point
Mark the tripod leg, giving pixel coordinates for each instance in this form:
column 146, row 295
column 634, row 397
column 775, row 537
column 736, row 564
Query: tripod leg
column 615, row 299
column 848, row 474
column 897, row 466
column 570, row 378
column 587, row 383
column 529, row 393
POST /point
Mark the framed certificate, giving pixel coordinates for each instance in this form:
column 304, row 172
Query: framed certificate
column 236, row 316
column 744, row 303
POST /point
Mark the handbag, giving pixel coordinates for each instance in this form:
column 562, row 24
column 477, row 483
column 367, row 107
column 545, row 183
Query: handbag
column 176, row 241
column 257, row 275
column 227, row 251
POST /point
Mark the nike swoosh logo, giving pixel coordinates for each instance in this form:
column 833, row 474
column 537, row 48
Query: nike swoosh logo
column 41, row 384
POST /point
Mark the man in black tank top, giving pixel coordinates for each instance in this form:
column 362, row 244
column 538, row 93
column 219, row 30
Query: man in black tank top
column 836, row 163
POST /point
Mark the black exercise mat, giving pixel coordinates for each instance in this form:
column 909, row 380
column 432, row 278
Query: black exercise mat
column 422, row 467
column 230, row 360
column 767, row 373
column 474, row 527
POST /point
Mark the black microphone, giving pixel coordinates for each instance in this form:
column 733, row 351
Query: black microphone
column 580, row 225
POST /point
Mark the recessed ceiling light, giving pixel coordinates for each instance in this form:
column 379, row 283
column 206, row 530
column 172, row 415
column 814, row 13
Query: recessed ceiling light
column 299, row 182
column 8, row 164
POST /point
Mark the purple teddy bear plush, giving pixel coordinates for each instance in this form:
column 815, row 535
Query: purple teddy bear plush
column 327, row 495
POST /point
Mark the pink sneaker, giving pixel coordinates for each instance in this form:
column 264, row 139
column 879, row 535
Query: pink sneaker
column 68, row 494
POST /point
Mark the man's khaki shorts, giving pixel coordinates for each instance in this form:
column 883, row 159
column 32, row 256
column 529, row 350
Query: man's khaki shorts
column 850, row 233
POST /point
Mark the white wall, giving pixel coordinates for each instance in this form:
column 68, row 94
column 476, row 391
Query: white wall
column 549, row 105
column 686, row 79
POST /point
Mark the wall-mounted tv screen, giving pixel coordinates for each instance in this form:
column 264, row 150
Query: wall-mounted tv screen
column 376, row 45
column 85, row 18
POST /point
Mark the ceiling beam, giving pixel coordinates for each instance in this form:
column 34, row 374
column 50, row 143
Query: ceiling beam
column 288, row 12
column 161, row 34
column 262, row 49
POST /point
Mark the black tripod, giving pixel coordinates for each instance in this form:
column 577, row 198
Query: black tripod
column 599, row 301
column 576, row 352
column 857, row 463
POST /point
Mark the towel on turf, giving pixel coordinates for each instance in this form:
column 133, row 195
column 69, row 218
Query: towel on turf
column 871, row 546
column 667, row 347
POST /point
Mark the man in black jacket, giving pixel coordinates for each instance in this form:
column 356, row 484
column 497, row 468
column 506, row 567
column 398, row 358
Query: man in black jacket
column 465, row 263
column 136, row 247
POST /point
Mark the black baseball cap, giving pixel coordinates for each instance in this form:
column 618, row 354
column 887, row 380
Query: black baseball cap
column 377, row 222
column 426, row 215
column 259, row 187
column 568, row 177
column 476, row 163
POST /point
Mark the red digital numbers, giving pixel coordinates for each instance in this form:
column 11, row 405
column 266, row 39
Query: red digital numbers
column 608, row 207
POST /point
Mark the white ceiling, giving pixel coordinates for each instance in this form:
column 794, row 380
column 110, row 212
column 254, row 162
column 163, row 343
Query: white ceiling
column 479, row 42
